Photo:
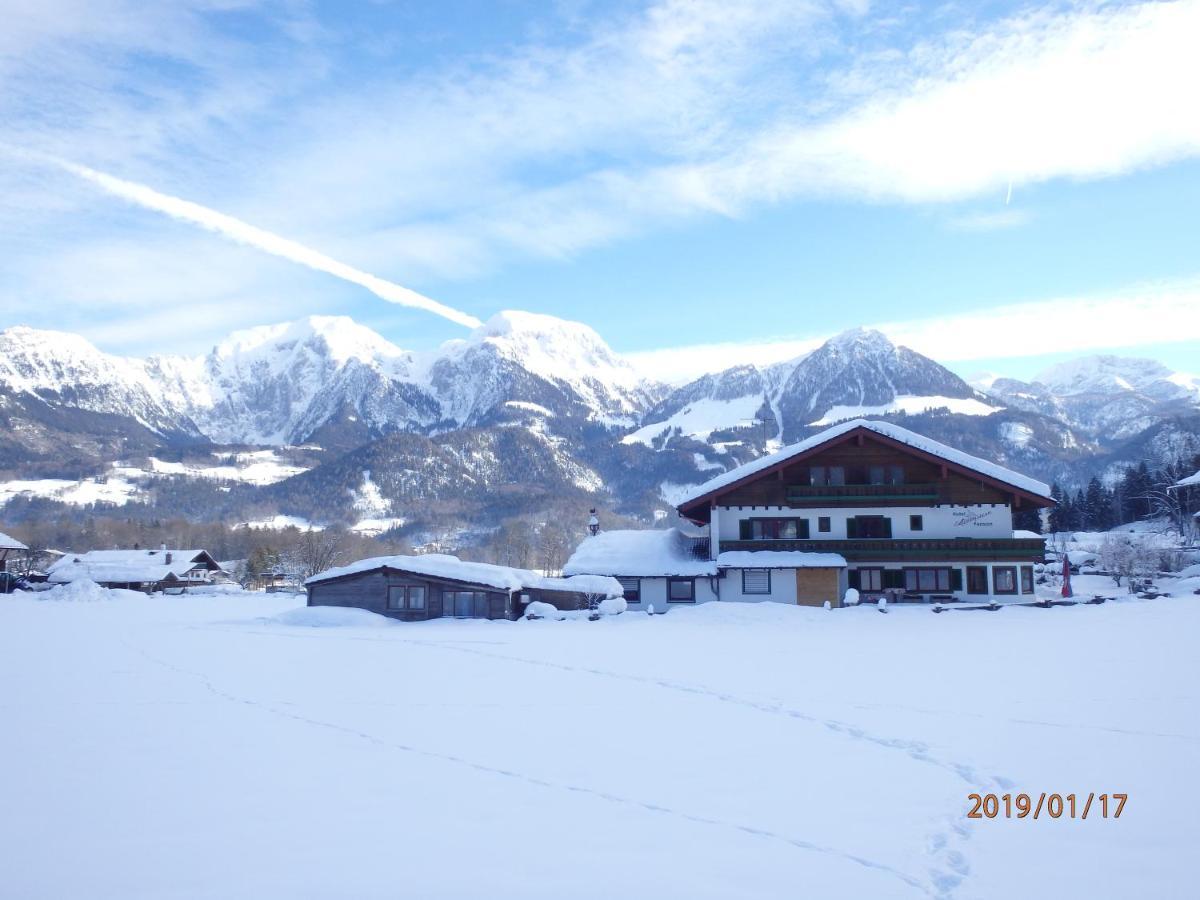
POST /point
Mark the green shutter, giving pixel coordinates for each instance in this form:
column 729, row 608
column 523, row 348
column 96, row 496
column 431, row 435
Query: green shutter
column 802, row 529
column 956, row 580
column 852, row 527
column 852, row 578
column 893, row 578
column 744, row 530
column 887, row 527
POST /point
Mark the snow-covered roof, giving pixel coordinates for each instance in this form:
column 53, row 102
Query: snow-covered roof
column 504, row 578
column 111, row 573
column 126, row 566
column 638, row 553
column 9, row 543
column 1189, row 481
column 887, row 429
column 779, row 559
column 1028, row 535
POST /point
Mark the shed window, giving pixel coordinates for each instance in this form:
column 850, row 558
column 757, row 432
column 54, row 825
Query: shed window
column 823, row 524
column 1026, row 579
column 632, row 588
column 756, row 581
column 406, row 596
column 681, row 590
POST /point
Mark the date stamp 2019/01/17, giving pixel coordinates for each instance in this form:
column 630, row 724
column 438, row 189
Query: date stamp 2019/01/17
column 1056, row 806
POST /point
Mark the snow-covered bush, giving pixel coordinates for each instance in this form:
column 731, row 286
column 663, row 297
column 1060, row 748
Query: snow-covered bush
column 613, row 606
column 539, row 610
column 851, row 598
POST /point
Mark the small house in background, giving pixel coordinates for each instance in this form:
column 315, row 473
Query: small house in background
column 9, row 547
column 138, row 570
column 435, row 585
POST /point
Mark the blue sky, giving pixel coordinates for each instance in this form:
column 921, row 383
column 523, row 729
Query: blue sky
column 704, row 183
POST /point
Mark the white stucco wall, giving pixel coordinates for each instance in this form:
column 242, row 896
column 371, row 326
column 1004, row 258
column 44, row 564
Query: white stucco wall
column 984, row 521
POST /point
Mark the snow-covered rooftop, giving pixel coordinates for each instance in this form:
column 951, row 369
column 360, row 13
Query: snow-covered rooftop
column 638, row 553
column 1189, row 481
column 779, row 559
column 887, row 429
column 125, row 566
column 10, row 543
column 504, row 578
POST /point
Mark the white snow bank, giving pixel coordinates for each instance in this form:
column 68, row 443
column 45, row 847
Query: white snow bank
column 82, row 590
column 331, row 617
column 641, row 553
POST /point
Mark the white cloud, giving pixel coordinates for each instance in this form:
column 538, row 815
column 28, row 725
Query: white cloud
column 1142, row 315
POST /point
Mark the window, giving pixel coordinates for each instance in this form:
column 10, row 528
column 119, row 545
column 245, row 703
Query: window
column 826, row 475
column 756, row 581
column 1026, row 579
column 681, row 590
column 870, row 579
column 927, row 581
column 465, row 604
column 916, row 523
column 875, row 475
column 1004, row 580
column 823, row 524
column 895, row 475
column 773, row 529
column 868, row 527
column 406, row 596
column 632, row 588
column 977, row 580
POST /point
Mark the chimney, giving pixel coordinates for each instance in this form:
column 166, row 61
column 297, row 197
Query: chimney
column 168, row 559
column 593, row 523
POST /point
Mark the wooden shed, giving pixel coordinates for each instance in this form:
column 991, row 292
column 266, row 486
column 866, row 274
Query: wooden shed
column 434, row 586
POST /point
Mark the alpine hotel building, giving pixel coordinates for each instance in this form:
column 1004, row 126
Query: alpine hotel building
column 866, row 505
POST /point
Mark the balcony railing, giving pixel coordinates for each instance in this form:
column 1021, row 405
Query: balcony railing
column 852, row 492
column 909, row 548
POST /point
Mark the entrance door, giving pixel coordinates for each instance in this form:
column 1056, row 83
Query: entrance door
column 464, row 604
column 815, row 586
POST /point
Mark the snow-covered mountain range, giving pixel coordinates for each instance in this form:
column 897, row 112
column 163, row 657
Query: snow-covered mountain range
column 525, row 408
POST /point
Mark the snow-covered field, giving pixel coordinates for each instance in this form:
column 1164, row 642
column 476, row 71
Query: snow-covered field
column 225, row 746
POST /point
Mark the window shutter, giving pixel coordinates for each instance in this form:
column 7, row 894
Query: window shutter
column 852, row 577
column 887, row 527
column 852, row 527
column 893, row 578
column 744, row 530
column 756, row 581
column 802, row 529
column 956, row 579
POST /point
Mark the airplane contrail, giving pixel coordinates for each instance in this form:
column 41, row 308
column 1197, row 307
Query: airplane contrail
column 244, row 233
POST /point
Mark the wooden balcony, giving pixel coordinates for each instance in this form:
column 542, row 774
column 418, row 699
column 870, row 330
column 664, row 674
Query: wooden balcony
column 910, row 549
column 859, row 493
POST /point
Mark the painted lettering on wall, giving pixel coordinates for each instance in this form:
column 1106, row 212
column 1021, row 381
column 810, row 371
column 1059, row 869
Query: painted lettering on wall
column 971, row 518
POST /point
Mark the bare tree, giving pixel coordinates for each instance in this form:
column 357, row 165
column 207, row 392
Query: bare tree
column 316, row 551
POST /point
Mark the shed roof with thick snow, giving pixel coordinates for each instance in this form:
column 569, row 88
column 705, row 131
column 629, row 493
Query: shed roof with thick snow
column 887, row 430
column 10, row 543
column 451, row 568
column 638, row 554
